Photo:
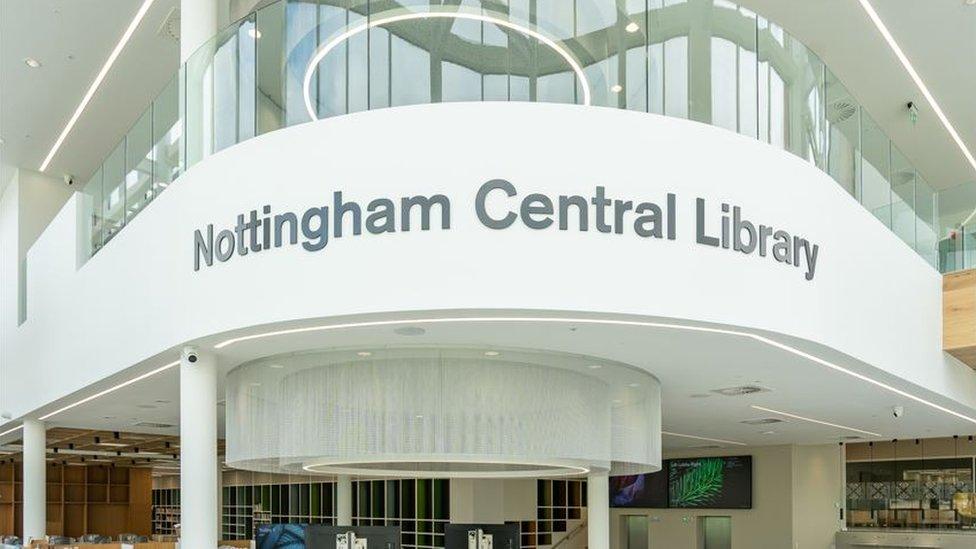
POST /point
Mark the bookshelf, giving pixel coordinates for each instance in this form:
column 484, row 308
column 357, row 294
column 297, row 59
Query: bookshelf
column 557, row 502
column 420, row 507
column 165, row 511
column 81, row 499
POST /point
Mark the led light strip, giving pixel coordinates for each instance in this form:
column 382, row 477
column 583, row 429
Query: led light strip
column 634, row 323
column 811, row 420
column 8, row 431
column 706, row 439
column 876, row 19
column 332, row 44
column 98, row 81
column 111, row 389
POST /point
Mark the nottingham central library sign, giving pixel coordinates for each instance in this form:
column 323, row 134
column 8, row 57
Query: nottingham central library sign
column 260, row 230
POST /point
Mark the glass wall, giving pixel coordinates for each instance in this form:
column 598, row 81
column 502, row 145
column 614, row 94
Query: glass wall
column 713, row 61
column 911, row 484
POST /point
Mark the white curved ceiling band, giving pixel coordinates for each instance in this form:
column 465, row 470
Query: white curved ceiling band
column 332, row 44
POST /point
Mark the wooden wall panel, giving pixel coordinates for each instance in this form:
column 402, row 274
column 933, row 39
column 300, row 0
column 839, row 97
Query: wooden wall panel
column 959, row 315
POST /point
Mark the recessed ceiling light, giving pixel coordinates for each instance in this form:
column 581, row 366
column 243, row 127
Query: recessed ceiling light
column 632, row 27
column 32, row 63
column 616, row 88
column 595, row 366
column 769, row 432
column 492, row 353
column 275, row 366
column 113, row 444
column 364, row 353
column 254, row 33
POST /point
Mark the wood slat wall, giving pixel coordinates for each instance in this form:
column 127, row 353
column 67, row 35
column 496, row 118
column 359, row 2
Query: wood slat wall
column 959, row 315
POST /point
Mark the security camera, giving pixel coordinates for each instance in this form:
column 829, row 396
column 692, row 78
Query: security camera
column 69, row 179
column 898, row 411
column 190, row 354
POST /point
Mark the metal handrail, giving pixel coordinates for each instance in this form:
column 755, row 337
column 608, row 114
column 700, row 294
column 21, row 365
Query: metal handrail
column 571, row 534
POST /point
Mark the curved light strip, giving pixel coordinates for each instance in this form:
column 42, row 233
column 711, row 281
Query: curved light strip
column 706, row 439
column 332, row 44
column 544, row 469
column 610, row 322
column 97, row 81
column 111, row 389
column 811, row 420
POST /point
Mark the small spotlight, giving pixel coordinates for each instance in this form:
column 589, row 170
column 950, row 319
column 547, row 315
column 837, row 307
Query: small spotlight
column 492, row 353
column 32, row 63
column 634, row 27
column 364, row 353
column 616, row 88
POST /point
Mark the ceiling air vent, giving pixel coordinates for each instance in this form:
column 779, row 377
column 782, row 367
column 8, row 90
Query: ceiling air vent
column 841, row 110
column 170, row 28
column 762, row 421
column 154, row 425
column 741, row 390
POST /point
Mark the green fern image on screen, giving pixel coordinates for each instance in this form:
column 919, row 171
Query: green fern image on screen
column 697, row 485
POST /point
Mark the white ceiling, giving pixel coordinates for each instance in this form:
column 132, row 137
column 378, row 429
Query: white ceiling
column 938, row 35
column 689, row 365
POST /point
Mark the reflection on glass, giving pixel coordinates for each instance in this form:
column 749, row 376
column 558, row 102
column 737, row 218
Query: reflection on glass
column 902, row 197
column 167, row 137
column 875, row 190
column 843, row 140
column 927, row 224
column 96, row 217
column 138, row 165
column 113, row 192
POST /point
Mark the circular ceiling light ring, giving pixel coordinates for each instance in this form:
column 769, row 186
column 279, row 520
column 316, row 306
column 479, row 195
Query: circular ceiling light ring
column 362, row 27
column 443, row 467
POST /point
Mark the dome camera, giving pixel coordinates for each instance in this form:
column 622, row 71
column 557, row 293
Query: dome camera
column 191, row 355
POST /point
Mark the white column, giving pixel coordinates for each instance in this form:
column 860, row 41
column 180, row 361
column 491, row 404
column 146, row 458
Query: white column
column 198, row 23
column 598, row 511
column 35, row 478
column 198, row 450
column 343, row 500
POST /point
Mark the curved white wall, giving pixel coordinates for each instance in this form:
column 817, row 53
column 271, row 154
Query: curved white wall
column 871, row 298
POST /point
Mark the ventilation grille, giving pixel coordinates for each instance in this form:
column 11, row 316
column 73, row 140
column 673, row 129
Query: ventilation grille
column 154, row 425
column 741, row 390
column 170, row 27
column 841, row 110
column 762, row 421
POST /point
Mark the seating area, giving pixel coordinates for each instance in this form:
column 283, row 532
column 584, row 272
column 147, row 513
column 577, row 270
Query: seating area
column 905, row 518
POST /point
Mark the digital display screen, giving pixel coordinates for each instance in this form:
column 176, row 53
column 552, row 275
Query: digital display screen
column 710, row 483
column 693, row 483
column 280, row 536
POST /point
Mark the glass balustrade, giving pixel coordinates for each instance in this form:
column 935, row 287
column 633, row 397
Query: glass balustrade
column 713, row 61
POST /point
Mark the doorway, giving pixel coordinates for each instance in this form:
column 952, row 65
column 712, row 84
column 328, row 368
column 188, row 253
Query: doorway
column 715, row 532
column 635, row 532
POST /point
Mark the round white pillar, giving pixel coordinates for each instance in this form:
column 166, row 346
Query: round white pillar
column 343, row 500
column 198, row 23
column 198, row 450
column 598, row 511
column 35, row 478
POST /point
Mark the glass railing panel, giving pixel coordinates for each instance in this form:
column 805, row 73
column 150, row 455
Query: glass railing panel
column 927, row 223
column 598, row 43
column 631, row 33
column 791, row 79
column 226, row 88
column 301, row 42
column 198, row 105
column 138, row 165
column 340, row 79
column 669, row 25
column 553, row 80
column 167, row 136
column 902, row 197
column 113, row 192
column 843, row 135
column 95, row 224
column 723, row 82
column 875, row 191
column 270, row 99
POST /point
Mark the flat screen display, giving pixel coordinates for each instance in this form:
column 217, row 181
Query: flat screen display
column 648, row 490
column 280, row 536
column 710, row 483
column 692, row 483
